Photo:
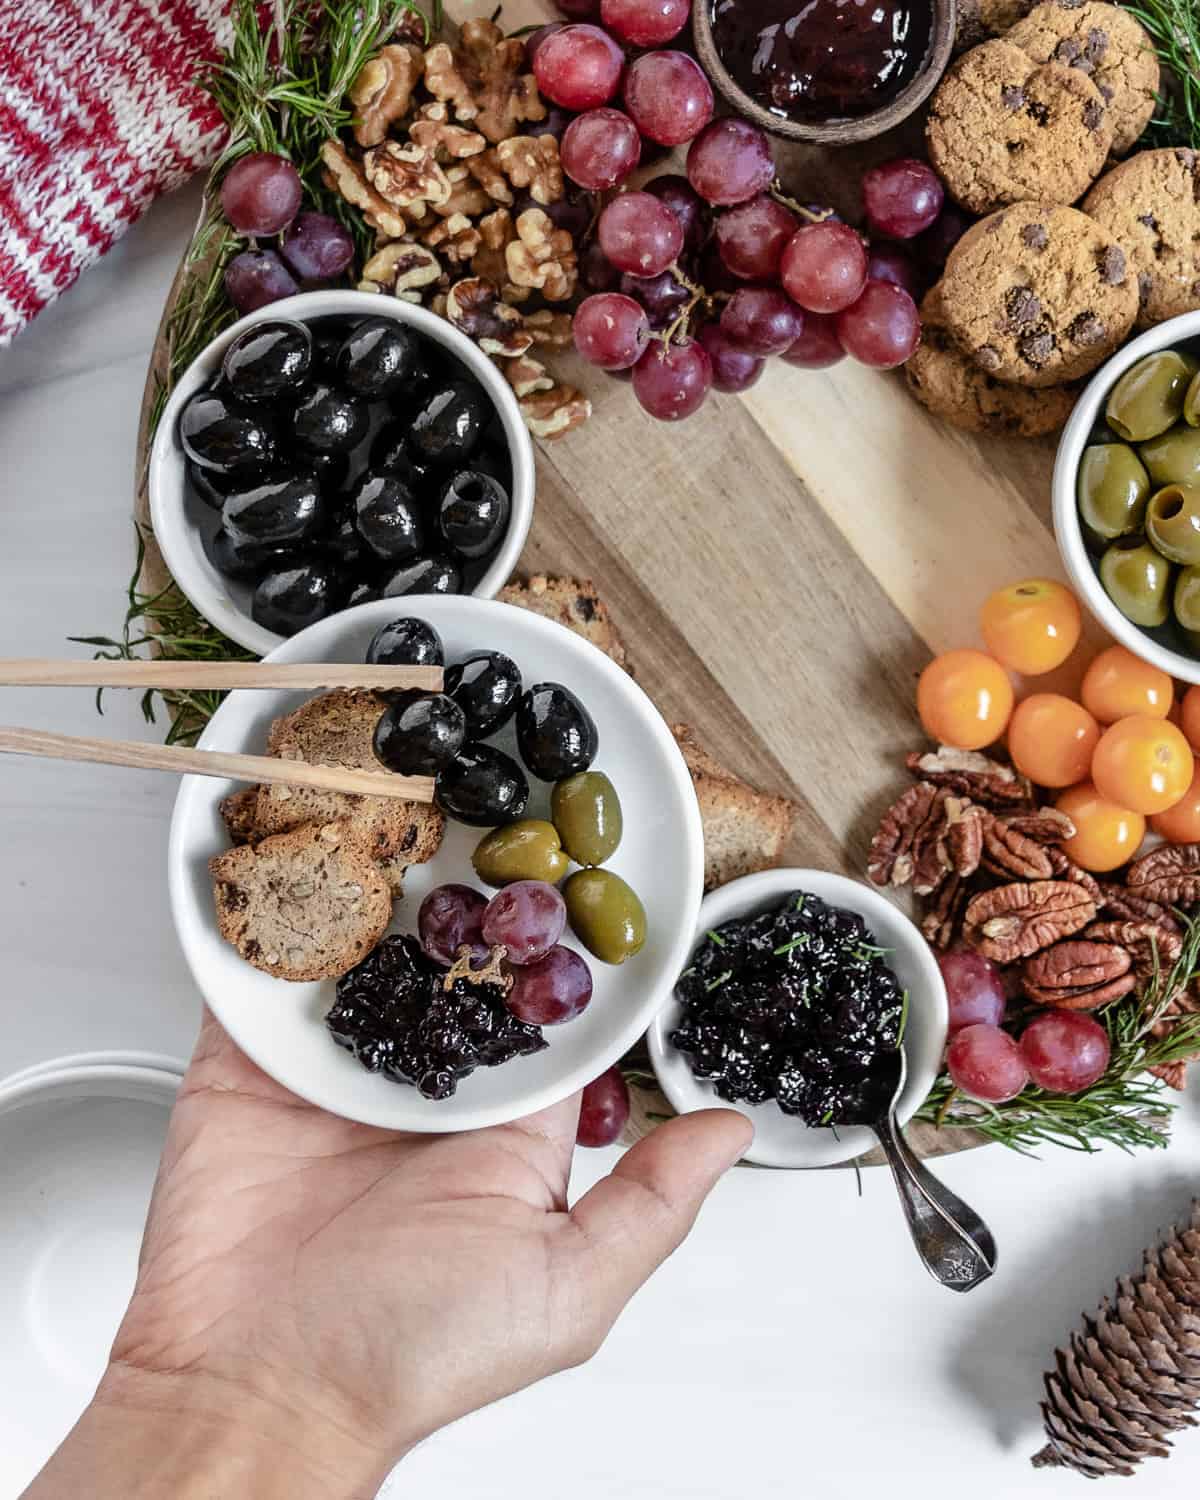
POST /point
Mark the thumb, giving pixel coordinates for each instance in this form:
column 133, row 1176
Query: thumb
column 634, row 1218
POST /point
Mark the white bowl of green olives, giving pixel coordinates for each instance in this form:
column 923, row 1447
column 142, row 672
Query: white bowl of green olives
column 1127, row 496
column 331, row 449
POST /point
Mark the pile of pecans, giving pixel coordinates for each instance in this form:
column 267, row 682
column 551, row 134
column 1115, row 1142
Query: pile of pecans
column 972, row 841
column 443, row 169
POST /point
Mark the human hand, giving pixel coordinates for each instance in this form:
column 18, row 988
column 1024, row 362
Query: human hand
column 350, row 1290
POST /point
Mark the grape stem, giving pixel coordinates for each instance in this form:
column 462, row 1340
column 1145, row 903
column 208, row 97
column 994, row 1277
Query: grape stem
column 699, row 295
column 776, row 191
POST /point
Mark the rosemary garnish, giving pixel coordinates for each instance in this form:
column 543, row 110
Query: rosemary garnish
column 797, row 942
column 715, row 937
column 1174, row 27
column 719, row 980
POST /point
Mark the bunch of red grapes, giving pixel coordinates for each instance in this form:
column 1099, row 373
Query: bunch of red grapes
column 717, row 248
column 261, row 196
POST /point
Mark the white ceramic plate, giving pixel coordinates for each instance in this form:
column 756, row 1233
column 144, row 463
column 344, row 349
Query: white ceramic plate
column 280, row 1025
column 80, row 1141
column 782, row 1140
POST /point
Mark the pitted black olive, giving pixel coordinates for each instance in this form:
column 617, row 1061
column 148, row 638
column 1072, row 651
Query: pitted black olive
column 483, row 787
column 449, row 424
column 226, row 437
column 424, row 575
column 377, row 358
column 390, row 455
column 555, row 733
column 268, row 359
column 473, row 513
column 294, row 597
column 245, row 562
column 487, row 687
column 328, row 420
column 419, row 734
column 274, row 511
column 209, row 486
column 388, row 518
column 407, row 642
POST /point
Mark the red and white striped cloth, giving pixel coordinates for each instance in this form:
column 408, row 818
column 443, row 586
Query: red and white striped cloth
column 99, row 114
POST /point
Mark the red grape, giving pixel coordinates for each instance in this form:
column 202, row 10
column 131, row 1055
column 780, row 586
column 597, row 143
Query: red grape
column 580, row 10
column 595, row 271
column 639, row 234
column 611, row 330
column 733, row 369
column 824, row 266
column 887, row 263
column 730, row 161
column 572, row 212
column 942, row 235
column 685, row 203
column 578, row 67
column 255, row 277
column 260, row 193
column 985, row 1063
column 662, row 296
column 554, row 989
column 1065, row 1051
column 973, row 988
column 817, row 347
column 671, row 383
column 316, row 247
column 603, row 1110
column 668, row 97
column 901, row 197
column 535, row 39
column 600, row 148
column 554, row 124
column 882, row 328
column 761, row 320
column 449, row 917
column 645, row 23
column 751, row 237
column 528, row 917
column 715, row 275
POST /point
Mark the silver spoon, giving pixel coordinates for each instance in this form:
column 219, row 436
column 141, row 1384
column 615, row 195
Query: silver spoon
column 955, row 1245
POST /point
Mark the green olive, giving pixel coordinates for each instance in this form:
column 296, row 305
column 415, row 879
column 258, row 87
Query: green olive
column 606, row 914
column 587, row 814
column 1187, row 600
column 528, row 849
column 1149, row 397
column 1173, row 458
column 1191, row 402
column 1112, row 487
column 1136, row 579
column 1173, row 523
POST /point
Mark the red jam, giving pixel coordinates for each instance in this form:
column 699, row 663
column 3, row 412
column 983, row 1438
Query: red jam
column 825, row 59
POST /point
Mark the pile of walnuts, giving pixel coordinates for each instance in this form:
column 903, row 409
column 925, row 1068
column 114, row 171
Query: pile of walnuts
column 972, row 841
column 437, row 168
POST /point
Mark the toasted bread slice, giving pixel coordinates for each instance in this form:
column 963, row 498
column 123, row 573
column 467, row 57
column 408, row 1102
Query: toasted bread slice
column 572, row 602
column 238, row 813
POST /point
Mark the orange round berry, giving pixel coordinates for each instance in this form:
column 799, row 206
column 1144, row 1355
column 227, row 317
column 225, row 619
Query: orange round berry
column 1031, row 627
column 1189, row 717
column 1181, row 824
column 964, row 699
column 1105, row 835
column 1142, row 763
column 1118, row 684
column 1051, row 739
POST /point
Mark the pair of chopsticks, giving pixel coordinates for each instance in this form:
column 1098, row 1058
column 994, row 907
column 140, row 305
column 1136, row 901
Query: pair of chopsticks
column 215, row 676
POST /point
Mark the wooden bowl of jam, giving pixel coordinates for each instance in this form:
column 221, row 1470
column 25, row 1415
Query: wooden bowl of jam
column 833, row 72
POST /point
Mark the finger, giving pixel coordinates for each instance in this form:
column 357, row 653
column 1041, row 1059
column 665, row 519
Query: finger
column 633, row 1219
column 552, row 1134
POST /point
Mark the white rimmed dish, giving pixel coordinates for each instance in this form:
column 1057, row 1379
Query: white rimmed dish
column 1153, row 646
column 280, row 1025
column 181, row 522
column 782, row 1140
column 80, row 1140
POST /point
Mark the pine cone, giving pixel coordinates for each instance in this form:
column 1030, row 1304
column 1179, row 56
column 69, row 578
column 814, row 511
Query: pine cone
column 1131, row 1377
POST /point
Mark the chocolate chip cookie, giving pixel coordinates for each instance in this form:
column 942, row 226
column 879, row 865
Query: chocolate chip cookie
column 1106, row 43
column 1038, row 294
column 976, row 20
column 1151, row 205
column 949, row 385
column 1003, row 128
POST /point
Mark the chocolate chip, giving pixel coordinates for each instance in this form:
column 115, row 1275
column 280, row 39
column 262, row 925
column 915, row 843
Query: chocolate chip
column 1196, row 288
column 1086, row 329
column 1111, row 264
column 1038, row 111
column 1012, row 97
column 1093, row 115
column 1106, row 92
column 993, row 224
column 1035, row 236
column 987, row 357
column 1186, row 158
column 1067, row 50
column 1149, row 221
column 1036, row 348
column 1021, row 307
column 1145, row 287
column 585, row 606
column 1097, row 44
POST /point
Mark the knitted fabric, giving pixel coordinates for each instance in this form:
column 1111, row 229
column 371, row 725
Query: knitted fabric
column 99, row 114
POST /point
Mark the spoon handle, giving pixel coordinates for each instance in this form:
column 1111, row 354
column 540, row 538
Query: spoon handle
column 954, row 1243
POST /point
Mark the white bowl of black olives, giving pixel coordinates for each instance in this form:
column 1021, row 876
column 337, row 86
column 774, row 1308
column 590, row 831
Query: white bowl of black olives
column 331, row 449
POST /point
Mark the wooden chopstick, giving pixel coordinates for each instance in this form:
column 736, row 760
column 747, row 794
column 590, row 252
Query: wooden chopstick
column 182, row 761
column 215, row 676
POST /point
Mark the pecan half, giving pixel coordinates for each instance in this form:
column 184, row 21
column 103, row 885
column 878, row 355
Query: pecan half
column 406, row 175
column 383, row 90
column 973, row 775
column 964, row 836
column 346, row 177
column 943, row 917
column 553, row 413
column 906, row 844
column 474, row 307
column 1013, row 921
column 1169, row 874
column 542, row 257
column 1065, row 868
column 1183, row 1004
column 1007, row 852
column 1044, row 825
column 1127, row 906
column 532, row 162
column 1078, row 975
column 1152, row 947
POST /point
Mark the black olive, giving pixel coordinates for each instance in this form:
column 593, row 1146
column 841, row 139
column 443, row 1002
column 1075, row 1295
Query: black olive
column 390, row 455
column 555, row 733
column 294, row 597
column 419, row 733
column 482, row 786
column 407, row 642
column 328, row 420
column 273, row 511
column 388, row 518
column 221, row 435
column 473, row 513
column 378, row 357
column 332, row 469
column 346, row 546
column 268, row 359
column 424, row 575
column 362, row 593
column 448, row 427
column 209, row 486
column 487, row 687
column 245, row 562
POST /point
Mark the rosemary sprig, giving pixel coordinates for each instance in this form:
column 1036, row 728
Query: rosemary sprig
column 1127, row 1107
column 1174, row 27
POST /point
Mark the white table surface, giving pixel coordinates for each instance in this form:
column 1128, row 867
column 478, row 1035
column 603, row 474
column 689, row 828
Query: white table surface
column 793, row 1347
